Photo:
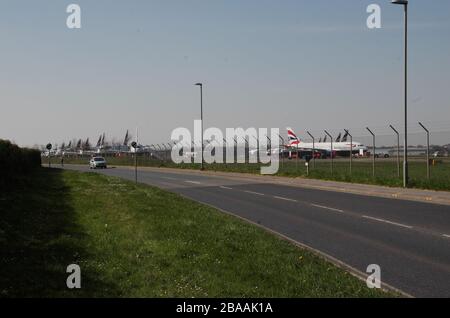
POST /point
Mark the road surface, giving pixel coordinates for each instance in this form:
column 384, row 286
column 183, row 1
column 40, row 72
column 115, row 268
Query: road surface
column 409, row 240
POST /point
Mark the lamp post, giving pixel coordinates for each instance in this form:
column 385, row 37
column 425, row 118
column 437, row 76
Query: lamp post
column 201, row 118
column 405, row 148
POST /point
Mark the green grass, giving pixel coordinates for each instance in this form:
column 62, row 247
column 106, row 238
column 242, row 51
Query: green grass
column 138, row 241
column 385, row 170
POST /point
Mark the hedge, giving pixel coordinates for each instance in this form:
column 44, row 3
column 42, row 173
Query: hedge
column 16, row 161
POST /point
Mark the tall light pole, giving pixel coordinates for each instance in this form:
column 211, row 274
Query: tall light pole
column 201, row 118
column 405, row 148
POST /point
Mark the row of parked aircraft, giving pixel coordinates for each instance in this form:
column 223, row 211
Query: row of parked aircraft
column 82, row 147
column 340, row 145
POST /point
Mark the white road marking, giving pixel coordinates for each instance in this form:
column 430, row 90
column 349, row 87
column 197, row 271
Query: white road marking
column 285, row 199
column 257, row 193
column 327, row 208
column 168, row 178
column 446, row 235
column 193, row 182
column 227, row 188
column 386, row 221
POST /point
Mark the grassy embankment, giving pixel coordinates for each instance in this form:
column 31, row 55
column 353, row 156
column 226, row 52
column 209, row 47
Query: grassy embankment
column 138, row 241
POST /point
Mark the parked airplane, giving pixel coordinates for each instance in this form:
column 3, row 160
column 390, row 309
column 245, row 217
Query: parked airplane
column 342, row 147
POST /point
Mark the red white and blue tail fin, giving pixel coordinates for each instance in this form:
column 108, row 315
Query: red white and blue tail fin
column 293, row 139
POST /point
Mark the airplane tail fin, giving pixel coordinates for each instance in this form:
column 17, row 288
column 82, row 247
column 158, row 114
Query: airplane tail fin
column 293, row 139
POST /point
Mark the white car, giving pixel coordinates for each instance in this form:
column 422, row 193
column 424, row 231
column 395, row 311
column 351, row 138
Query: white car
column 97, row 162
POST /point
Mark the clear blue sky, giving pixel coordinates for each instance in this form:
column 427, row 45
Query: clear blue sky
column 306, row 64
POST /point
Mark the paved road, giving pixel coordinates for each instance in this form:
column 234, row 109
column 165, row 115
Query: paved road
column 409, row 240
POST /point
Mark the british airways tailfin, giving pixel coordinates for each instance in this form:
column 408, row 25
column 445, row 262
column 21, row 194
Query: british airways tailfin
column 293, row 139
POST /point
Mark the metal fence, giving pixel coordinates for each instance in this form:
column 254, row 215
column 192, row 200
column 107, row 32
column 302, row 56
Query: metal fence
column 382, row 160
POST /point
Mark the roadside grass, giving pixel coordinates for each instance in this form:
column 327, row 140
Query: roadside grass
column 139, row 241
column 386, row 173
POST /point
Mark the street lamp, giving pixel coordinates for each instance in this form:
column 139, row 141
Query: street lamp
column 405, row 148
column 201, row 118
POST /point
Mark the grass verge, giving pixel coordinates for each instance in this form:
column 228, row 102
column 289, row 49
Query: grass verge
column 139, row 241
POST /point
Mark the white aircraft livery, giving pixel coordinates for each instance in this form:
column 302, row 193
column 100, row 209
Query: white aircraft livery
column 295, row 142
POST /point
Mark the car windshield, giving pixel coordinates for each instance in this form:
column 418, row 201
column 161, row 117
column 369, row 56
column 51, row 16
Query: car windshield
column 99, row 159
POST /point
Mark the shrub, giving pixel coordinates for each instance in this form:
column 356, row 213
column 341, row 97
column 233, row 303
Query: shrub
column 16, row 162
